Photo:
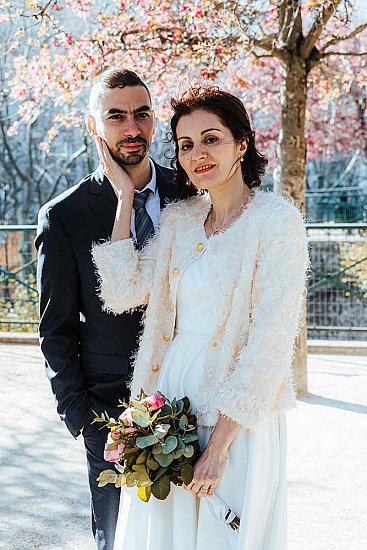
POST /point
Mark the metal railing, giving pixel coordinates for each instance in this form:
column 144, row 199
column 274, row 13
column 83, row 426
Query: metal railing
column 337, row 288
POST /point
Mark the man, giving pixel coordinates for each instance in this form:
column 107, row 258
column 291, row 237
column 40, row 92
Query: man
column 88, row 351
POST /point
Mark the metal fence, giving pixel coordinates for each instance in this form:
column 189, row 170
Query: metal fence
column 337, row 289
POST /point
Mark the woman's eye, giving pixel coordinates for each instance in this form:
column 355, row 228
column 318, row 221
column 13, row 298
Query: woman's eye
column 211, row 139
column 185, row 146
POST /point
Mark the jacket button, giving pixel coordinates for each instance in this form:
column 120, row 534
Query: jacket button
column 172, row 306
column 175, row 271
column 166, row 338
column 155, row 368
column 200, row 247
column 214, row 344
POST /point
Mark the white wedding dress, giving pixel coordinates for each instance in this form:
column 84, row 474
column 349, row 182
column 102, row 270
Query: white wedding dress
column 254, row 481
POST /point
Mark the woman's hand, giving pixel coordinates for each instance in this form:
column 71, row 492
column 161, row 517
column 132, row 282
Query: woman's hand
column 208, row 471
column 116, row 175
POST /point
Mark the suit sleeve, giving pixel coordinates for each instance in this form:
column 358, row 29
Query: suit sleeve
column 249, row 392
column 58, row 282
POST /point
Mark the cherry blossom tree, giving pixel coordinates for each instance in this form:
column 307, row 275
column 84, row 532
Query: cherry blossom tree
column 282, row 57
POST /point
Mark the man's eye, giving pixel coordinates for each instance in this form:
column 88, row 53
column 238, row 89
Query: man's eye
column 143, row 115
column 116, row 117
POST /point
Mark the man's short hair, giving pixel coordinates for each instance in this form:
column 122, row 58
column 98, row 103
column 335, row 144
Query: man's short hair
column 114, row 77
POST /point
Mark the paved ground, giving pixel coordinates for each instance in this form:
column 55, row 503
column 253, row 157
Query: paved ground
column 44, row 499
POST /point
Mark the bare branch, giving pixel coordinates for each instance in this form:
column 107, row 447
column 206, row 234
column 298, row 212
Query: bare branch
column 73, row 157
column 355, row 54
column 337, row 39
column 290, row 23
column 317, row 27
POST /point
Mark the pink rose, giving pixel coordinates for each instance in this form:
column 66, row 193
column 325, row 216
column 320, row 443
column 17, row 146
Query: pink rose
column 115, row 455
column 153, row 402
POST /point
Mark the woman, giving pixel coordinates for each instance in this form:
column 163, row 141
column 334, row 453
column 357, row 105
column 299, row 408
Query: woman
column 224, row 281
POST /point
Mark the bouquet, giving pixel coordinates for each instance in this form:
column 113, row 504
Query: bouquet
column 154, row 443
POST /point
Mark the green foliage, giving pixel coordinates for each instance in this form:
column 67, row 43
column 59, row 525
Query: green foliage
column 19, row 304
column 159, row 445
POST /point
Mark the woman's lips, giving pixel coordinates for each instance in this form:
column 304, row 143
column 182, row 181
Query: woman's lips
column 203, row 169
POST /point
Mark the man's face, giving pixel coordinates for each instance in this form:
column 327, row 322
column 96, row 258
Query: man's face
column 126, row 122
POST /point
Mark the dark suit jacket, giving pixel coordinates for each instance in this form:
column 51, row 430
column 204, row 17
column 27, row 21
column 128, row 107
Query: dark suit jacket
column 77, row 337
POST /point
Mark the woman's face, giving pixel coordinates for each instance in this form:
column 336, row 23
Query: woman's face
column 208, row 151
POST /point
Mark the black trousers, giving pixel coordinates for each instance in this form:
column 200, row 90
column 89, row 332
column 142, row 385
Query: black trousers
column 105, row 391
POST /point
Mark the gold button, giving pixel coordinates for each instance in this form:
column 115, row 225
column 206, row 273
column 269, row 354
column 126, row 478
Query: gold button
column 172, row 306
column 200, row 247
column 166, row 338
column 155, row 368
column 175, row 271
column 214, row 344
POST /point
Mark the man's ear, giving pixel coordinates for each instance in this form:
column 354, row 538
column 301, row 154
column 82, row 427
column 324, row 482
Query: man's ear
column 154, row 123
column 90, row 123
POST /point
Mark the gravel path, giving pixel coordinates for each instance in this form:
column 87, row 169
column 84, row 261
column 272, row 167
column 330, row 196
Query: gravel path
column 43, row 484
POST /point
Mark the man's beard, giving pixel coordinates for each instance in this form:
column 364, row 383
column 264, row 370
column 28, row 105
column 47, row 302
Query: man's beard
column 129, row 159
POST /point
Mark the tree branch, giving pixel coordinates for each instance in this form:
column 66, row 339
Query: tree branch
column 73, row 157
column 337, row 39
column 317, row 27
column 328, row 54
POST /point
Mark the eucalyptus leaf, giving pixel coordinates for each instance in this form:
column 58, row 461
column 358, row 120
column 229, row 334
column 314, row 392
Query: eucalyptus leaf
column 105, row 477
column 146, row 441
column 189, row 451
column 160, row 473
column 138, row 406
column 120, row 481
column 187, row 473
column 187, row 403
column 161, row 488
column 120, row 467
column 179, row 406
column 183, row 422
column 152, row 464
column 180, row 449
column 169, row 444
column 161, row 430
column 141, row 419
column 189, row 438
column 144, row 493
column 142, row 457
column 157, row 449
column 164, row 460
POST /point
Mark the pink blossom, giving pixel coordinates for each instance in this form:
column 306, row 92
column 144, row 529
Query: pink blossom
column 153, row 402
column 115, row 454
column 126, row 417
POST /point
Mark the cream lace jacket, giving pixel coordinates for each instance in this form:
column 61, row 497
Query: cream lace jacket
column 257, row 266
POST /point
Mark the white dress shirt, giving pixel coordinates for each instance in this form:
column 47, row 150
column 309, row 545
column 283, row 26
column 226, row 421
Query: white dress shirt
column 153, row 204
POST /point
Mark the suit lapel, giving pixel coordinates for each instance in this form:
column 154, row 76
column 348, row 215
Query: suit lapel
column 102, row 201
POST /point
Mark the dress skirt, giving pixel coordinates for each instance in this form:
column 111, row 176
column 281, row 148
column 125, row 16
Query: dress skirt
column 254, row 482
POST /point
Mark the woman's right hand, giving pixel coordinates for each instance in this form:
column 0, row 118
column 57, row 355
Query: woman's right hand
column 116, row 175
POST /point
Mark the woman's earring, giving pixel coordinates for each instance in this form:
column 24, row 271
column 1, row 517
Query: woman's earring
column 242, row 158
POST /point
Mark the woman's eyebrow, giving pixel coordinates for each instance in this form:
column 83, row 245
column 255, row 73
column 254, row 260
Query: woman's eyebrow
column 203, row 132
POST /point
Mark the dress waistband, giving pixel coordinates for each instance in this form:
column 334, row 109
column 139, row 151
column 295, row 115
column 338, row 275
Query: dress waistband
column 192, row 333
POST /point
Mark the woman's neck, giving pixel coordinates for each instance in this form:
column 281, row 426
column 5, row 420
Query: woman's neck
column 227, row 200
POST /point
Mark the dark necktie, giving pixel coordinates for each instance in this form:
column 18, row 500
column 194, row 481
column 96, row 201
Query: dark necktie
column 144, row 227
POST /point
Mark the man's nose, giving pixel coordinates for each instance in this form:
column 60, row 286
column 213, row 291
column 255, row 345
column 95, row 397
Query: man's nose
column 131, row 128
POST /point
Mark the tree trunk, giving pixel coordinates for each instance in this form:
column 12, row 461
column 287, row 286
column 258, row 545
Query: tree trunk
column 290, row 174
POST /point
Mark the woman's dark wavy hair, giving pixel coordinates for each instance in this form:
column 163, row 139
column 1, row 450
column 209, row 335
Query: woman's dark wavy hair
column 232, row 113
